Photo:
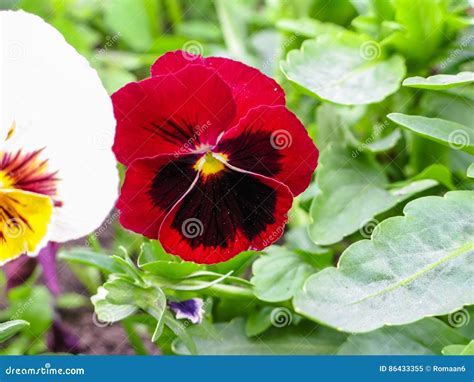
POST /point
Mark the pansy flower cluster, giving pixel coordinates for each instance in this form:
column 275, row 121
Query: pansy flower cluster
column 214, row 157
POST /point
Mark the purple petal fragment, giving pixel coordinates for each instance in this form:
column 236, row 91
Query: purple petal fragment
column 47, row 259
column 19, row 270
column 191, row 310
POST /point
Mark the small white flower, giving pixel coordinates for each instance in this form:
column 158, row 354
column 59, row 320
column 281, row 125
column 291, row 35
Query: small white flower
column 55, row 183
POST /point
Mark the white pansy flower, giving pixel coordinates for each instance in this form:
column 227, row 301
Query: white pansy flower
column 58, row 176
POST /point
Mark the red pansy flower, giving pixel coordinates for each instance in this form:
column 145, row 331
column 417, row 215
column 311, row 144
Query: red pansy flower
column 214, row 157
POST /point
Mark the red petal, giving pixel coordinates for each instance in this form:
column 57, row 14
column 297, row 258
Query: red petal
column 169, row 114
column 172, row 62
column 271, row 141
column 224, row 215
column 250, row 87
column 151, row 188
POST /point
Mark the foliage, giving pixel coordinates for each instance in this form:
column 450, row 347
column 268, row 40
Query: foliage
column 377, row 255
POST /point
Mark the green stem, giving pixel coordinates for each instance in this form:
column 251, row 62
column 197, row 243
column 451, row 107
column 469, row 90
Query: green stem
column 216, row 290
column 229, row 291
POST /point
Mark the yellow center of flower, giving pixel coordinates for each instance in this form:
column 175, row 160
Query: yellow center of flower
column 5, row 180
column 27, row 191
column 211, row 163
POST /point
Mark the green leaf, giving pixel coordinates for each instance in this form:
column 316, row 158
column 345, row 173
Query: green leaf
column 385, row 143
column 107, row 312
column 344, row 68
column 437, row 172
column 237, row 265
column 229, row 339
column 453, row 349
column 334, row 123
column 440, row 81
column 10, row 328
column 34, row 305
column 353, row 191
column 414, row 266
column 153, row 251
column 470, row 171
column 424, row 337
column 278, row 275
column 87, row 257
column 258, row 321
column 449, row 133
column 459, row 349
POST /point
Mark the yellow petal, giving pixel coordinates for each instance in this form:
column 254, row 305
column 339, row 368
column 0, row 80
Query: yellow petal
column 24, row 220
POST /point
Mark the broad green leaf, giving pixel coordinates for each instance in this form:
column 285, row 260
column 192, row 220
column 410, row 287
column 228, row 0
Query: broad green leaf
column 459, row 349
column 278, row 275
column 34, row 305
column 10, row 328
column 424, row 337
column 258, row 321
column 449, row 133
column 87, row 257
column 440, row 81
column 229, row 339
column 344, row 68
column 353, row 190
column 414, row 266
column 437, row 172
column 298, row 240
